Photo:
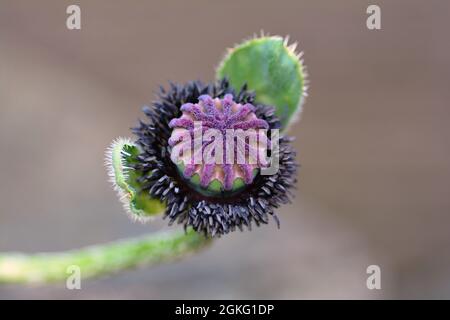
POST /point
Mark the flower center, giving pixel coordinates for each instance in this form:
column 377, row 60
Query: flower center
column 218, row 144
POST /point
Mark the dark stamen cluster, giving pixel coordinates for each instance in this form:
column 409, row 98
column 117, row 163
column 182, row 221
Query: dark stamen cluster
column 218, row 214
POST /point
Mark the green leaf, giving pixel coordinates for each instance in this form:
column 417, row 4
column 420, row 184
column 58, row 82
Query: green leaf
column 272, row 69
column 119, row 158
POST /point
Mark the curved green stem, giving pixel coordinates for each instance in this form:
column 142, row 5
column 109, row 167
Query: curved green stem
column 99, row 260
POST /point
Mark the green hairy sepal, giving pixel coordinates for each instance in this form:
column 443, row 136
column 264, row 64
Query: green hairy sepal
column 119, row 158
column 273, row 70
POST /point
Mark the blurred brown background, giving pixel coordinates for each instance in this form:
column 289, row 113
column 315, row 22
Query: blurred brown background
column 373, row 143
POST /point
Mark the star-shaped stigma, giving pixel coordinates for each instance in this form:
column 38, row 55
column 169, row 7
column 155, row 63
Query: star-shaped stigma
column 225, row 116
